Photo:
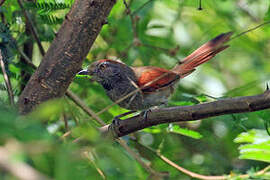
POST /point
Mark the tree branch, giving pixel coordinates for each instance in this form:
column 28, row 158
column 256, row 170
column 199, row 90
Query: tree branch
column 196, row 175
column 191, row 113
column 2, row 2
column 32, row 28
column 18, row 169
column 66, row 53
column 7, row 80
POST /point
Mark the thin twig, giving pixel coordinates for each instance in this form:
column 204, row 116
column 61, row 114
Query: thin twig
column 65, row 135
column 101, row 173
column 2, row 2
column 84, row 107
column 136, row 40
column 26, row 58
column 7, row 80
column 196, row 175
column 64, row 117
column 91, row 113
column 18, row 169
column 123, row 54
column 251, row 29
column 138, row 159
column 32, row 28
column 187, row 172
column 261, row 172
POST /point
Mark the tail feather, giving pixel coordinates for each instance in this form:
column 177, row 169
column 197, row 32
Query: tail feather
column 202, row 54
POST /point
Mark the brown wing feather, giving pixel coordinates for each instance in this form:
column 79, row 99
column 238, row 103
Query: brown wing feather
column 158, row 76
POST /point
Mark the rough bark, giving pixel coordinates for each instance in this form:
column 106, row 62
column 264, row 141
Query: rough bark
column 28, row 51
column 66, row 53
column 191, row 113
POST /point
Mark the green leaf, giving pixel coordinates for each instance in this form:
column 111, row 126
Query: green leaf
column 186, row 132
column 252, row 136
column 156, row 129
column 181, row 103
column 201, row 98
column 258, row 147
column 259, row 152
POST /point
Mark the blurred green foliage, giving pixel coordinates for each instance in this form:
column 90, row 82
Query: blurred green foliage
column 207, row 147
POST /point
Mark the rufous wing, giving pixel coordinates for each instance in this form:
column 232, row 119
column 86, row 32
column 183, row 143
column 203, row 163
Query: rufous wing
column 153, row 78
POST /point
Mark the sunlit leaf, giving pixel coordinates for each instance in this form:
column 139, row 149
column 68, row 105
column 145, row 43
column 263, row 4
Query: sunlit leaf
column 181, row 103
column 183, row 131
column 257, row 147
column 156, row 129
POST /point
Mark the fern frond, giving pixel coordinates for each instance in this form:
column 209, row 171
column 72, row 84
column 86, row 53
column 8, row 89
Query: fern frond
column 51, row 19
column 45, row 7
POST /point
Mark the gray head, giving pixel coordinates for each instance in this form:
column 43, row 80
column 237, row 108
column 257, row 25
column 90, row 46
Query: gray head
column 107, row 70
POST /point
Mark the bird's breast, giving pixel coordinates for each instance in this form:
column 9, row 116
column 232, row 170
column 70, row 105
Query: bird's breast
column 134, row 99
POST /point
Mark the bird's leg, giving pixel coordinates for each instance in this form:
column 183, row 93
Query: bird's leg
column 145, row 113
column 116, row 122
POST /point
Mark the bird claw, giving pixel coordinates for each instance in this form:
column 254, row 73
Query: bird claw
column 116, row 121
column 144, row 114
column 267, row 87
column 113, row 128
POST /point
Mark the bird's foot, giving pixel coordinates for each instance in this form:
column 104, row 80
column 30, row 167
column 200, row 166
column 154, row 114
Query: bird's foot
column 267, row 87
column 145, row 114
column 116, row 123
column 113, row 128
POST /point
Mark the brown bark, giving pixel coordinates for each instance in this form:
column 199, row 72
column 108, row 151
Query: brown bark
column 66, row 53
column 191, row 113
column 28, row 51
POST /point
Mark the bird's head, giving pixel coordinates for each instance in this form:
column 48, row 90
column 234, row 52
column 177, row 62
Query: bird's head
column 103, row 70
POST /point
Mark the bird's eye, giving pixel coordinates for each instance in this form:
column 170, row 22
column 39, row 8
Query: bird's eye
column 102, row 66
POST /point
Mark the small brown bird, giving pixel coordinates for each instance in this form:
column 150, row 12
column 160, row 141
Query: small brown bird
column 148, row 86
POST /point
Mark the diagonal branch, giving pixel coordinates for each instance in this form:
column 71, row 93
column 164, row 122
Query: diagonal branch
column 32, row 28
column 7, row 80
column 191, row 113
column 2, row 2
column 66, row 53
column 196, row 175
column 18, row 169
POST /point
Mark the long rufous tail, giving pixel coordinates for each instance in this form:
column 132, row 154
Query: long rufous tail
column 202, row 54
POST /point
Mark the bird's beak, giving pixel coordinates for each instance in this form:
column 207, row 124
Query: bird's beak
column 83, row 72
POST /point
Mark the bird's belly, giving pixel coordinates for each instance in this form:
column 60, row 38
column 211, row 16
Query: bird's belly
column 139, row 100
column 157, row 98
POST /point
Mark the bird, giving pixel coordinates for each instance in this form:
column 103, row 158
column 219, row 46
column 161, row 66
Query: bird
column 141, row 88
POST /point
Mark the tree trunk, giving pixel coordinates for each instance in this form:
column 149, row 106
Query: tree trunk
column 66, row 53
